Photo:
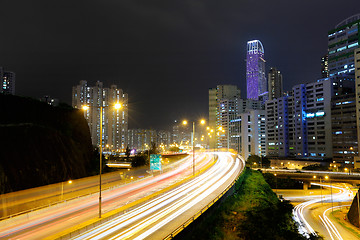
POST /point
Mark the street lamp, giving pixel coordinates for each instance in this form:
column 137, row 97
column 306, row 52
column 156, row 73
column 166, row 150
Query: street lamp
column 85, row 108
column 62, row 189
column 275, row 183
column 320, row 188
column 332, row 203
column 202, row 122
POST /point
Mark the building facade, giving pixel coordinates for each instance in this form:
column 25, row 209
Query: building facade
column 357, row 100
column 344, row 130
column 141, row 139
column 223, row 106
column 325, row 66
column 7, row 82
column 342, row 41
column 299, row 125
column 247, row 133
column 255, row 70
column 275, row 84
column 114, row 122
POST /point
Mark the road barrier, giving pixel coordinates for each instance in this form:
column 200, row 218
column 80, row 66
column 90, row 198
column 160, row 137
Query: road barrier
column 199, row 213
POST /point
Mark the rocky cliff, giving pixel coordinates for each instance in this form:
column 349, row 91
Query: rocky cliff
column 41, row 144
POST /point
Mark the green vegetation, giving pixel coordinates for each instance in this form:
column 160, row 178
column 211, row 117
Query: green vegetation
column 282, row 183
column 256, row 161
column 316, row 167
column 252, row 212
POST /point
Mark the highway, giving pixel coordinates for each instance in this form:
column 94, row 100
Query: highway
column 155, row 219
column 56, row 220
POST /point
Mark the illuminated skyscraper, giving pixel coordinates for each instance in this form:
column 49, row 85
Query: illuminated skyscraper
column 255, row 70
column 275, row 84
column 342, row 41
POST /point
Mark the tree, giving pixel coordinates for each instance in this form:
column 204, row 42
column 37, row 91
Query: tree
column 153, row 148
column 127, row 152
column 265, row 162
column 253, row 161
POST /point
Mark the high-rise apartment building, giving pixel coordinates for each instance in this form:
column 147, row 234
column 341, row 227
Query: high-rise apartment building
column 342, row 41
column 7, row 82
column 141, row 139
column 275, row 84
column 115, row 121
column 163, row 138
column 255, row 71
column 223, row 106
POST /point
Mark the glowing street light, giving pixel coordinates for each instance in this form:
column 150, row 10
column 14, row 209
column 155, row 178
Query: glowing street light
column 85, row 108
column 62, row 188
column 202, row 122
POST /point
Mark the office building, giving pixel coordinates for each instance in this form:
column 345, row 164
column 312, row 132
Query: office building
column 325, row 66
column 255, row 71
column 114, row 122
column 344, row 130
column 247, row 133
column 300, row 125
column 357, row 100
column 7, row 82
column 342, row 41
column 275, row 84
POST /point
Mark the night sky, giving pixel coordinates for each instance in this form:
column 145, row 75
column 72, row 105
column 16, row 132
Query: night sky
column 165, row 54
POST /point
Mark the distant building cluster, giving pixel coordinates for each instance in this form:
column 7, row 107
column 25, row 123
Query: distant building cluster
column 7, row 82
column 100, row 101
column 116, row 136
column 317, row 120
column 142, row 139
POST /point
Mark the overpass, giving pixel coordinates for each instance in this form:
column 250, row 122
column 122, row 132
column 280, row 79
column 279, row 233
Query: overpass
column 309, row 176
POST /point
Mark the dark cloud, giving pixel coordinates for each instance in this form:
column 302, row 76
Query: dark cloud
column 165, row 54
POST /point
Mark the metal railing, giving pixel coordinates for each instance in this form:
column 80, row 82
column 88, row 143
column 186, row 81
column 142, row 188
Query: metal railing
column 200, row 212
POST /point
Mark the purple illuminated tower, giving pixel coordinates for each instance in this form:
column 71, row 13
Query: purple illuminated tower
column 255, row 70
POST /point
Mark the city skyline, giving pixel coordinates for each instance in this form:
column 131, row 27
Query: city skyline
column 168, row 53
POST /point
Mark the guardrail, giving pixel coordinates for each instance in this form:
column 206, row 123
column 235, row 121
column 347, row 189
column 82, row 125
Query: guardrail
column 200, row 212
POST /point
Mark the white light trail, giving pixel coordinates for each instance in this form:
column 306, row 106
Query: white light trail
column 153, row 215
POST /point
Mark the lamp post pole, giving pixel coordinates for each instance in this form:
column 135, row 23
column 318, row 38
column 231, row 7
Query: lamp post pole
column 117, row 106
column 321, row 191
column 193, row 143
column 101, row 117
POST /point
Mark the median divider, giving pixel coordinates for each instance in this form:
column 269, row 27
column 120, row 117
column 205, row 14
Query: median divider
column 85, row 226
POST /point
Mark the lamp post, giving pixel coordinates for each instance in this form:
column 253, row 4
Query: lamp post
column 117, row 106
column 332, row 203
column 202, row 122
column 275, row 183
column 62, row 189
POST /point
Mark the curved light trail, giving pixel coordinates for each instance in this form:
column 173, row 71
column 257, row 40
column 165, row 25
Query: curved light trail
column 147, row 219
column 305, row 228
column 49, row 222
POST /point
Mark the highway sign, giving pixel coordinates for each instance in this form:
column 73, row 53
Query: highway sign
column 155, row 162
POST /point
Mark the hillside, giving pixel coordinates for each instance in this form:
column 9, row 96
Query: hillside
column 41, row 144
column 251, row 212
